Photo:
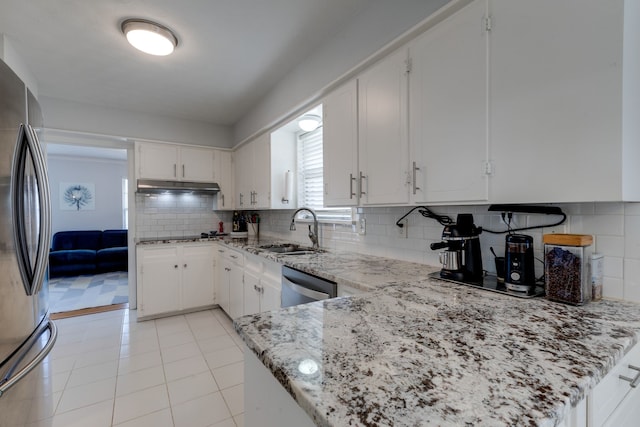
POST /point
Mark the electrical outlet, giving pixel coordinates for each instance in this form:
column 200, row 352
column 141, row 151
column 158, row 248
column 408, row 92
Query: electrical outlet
column 362, row 226
column 404, row 230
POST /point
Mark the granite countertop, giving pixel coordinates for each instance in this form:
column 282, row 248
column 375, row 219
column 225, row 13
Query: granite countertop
column 415, row 350
column 359, row 271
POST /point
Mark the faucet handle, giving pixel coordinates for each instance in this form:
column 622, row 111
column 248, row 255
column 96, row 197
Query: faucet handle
column 313, row 237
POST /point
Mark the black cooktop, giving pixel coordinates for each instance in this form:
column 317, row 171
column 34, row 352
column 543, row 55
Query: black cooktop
column 490, row 283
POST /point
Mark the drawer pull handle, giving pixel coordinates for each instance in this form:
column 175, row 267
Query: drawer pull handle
column 634, row 381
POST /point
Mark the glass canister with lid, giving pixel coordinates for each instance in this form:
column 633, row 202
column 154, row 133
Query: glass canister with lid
column 567, row 267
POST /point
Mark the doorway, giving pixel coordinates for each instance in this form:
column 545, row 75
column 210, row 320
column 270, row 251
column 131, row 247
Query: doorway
column 89, row 178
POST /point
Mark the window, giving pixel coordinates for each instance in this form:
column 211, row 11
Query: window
column 311, row 185
column 310, row 179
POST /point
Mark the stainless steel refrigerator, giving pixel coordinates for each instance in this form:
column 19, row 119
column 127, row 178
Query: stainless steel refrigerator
column 26, row 332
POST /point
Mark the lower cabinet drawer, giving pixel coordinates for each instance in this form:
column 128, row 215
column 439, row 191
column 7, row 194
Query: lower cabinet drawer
column 613, row 399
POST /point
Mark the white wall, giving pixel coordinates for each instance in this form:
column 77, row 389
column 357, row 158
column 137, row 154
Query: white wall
column 106, row 175
column 378, row 25
column 615, row 227
column 11, row 57
column 79, row 117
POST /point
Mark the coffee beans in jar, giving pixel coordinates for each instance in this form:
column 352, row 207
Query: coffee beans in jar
column 567, row 268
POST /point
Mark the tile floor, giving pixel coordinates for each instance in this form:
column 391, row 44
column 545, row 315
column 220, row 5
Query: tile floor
column 108, row 369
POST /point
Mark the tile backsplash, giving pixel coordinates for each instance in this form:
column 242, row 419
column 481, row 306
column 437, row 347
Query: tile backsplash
column 615, row 227
column 167, row 215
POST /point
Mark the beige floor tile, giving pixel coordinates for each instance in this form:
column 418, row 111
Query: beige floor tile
column 191, row 387
column 226, row 423
column 85, row 395
column 229, row 375
column 93, row 373
column 239, row 419
column 95, row 357
column 185, row 367
column 210, row 345
column 224, row 357
column 96, row 415
column 138, row 362
column 176, row 339
column 201, row 412
column 179, row 352
column 139, row 346
column 139, row 380
column 140, row 403
column 161, row 418
column 234, row 397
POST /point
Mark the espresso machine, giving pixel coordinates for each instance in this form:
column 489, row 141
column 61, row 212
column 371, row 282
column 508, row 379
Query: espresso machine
column 461, row 260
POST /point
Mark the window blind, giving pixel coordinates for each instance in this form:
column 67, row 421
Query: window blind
column 311, row 190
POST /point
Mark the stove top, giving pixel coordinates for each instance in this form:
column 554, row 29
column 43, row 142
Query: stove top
column 490, row 283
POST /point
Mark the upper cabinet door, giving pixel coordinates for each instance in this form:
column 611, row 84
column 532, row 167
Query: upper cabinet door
column 158, row 161
column 261, row 172
column 340, row 146
column 383, row 139
column 224, row 177
column 197, row 164
column 448, row 109
column 558, row 74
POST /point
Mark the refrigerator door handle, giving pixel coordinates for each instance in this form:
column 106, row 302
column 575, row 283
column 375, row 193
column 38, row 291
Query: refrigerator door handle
column 7, row 383
column 28, row 147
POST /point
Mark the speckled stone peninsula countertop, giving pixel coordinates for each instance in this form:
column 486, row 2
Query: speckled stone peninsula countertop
column 360, row 271
column 416, row 351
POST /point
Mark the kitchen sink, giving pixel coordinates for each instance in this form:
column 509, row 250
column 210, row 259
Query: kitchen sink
column 290, row 249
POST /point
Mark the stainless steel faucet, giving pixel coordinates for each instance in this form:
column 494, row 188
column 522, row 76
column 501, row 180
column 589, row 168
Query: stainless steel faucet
column 313, row 235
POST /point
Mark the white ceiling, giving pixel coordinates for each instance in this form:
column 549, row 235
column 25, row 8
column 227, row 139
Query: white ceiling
column 230, row 52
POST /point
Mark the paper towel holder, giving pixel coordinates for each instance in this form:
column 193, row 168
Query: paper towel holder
column 288, row 187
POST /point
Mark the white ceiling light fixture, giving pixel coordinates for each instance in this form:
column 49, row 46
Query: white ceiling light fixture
column 149, row 37
column 309, row 122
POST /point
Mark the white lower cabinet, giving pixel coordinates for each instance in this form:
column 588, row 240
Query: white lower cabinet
column 174, row 278
column 614, row 401
column 229, row 291
column 262, row 284
column 247, row 284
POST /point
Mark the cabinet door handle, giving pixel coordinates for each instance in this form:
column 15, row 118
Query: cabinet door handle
column 351, row 180
column 221, row 251
column 175, row 170
column 222, row 195
column 415, row 184
column 227, row 269
column 362, row 178
column 256, row 288
column 185, row 266
column 183, row 171
column 634, row 381
column 175, row 266
column 241, row 197
column 233, row 256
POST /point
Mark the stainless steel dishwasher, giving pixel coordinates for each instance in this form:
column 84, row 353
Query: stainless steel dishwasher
column 300, row 288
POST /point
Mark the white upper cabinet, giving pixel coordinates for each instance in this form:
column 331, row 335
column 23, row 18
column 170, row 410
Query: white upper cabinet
column 223, row 169
column 448, row 87
column 382, row 125
column 157, row 161
column 197, row 164
column 252, row 163
column 174, row 162
column 340, row 146
column 565, row 100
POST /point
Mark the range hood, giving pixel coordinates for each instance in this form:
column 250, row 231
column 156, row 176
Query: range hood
column 156, row 186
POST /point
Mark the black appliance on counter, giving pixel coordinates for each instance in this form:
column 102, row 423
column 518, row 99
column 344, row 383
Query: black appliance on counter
column 461, row 260
column 519, row 263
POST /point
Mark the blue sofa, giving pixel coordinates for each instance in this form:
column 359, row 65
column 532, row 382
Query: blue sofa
column 74, row 253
